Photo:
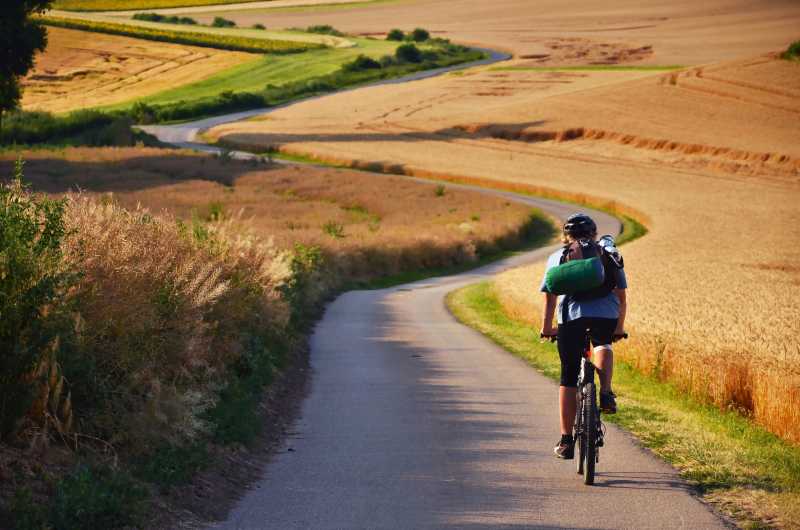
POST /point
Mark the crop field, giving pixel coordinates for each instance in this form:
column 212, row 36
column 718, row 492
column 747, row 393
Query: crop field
column 702, row 183
column 120, row 5
column 365, row 222
column 180, row 35
column 272, row 70
column 80, row 69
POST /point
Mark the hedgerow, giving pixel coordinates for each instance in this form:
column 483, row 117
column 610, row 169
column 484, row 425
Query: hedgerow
column 192, row 38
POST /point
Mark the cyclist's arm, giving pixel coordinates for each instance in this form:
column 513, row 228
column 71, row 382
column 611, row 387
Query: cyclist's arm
column 548, row 310
column 623, row 307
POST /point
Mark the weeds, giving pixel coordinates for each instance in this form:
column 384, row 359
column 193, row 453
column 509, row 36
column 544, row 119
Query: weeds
column 439, row 191
column 792, row 53
column 333, row 229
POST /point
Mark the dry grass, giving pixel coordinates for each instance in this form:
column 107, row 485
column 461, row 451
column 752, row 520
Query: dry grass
column 80, row 69
column 369, row 225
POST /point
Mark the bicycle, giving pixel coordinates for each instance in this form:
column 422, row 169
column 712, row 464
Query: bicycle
column 588, row 431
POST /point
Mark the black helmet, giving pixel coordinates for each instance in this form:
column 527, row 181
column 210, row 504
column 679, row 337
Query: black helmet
column 580, row 225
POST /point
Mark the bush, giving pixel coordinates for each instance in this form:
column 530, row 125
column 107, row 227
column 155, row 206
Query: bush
column 96, row 498
column 33, row 282
column 259, row 26
column 155, row 17
column 792, row 52
column 361, row 63
column 408, row 53
column 396, row 35
column 420, row 35
column 220, row 22
column 325, row 29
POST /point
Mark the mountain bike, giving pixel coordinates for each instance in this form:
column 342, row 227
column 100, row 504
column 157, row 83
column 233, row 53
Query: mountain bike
column 588, row 430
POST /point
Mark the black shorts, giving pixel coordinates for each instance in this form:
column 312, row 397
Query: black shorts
column 571, row 337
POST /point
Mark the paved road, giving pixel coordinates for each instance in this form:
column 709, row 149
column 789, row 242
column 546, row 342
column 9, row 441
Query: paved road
column 417, row 422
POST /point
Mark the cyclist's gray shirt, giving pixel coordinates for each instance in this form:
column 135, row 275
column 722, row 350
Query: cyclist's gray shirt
column 605, row 307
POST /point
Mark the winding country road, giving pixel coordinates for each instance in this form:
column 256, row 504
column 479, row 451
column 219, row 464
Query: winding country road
column 414, row 421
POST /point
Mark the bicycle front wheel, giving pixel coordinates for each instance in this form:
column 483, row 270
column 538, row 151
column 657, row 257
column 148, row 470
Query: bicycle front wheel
column 589, row 413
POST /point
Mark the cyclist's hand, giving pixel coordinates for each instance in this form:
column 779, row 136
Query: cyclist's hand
column 619, row 335
column 549, row 333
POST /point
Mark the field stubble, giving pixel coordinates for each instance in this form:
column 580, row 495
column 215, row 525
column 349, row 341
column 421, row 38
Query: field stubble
column 81, row 69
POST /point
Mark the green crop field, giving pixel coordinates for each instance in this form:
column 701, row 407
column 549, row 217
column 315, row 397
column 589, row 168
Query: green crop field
column 123, row 5
column 275, row 70
column 219, row 40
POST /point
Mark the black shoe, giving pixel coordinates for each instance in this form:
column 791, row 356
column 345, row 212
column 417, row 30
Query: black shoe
column 608, row 403
column 565, row 448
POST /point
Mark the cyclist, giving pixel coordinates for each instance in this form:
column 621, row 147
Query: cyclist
column 603, row 316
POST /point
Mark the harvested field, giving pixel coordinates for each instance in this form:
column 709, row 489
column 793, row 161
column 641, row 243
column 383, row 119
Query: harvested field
column 81, row 69
column 374, row 227
column 119, row 5
column 678, row 33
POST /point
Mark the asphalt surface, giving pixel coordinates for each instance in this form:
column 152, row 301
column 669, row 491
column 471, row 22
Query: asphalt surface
column 414, row 421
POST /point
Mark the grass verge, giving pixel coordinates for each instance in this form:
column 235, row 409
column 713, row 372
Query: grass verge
column 192, row 38
column 590, row 68
column 744, row 470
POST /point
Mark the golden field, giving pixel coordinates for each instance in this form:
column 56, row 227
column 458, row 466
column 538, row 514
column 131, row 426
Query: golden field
column 368, row 227
column 706, row 153
column 80, row 69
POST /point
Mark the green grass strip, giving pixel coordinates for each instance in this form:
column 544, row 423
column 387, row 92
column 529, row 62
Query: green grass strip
column 741, row 467
column 125, row 5
column 192, row 38
column 590, row 68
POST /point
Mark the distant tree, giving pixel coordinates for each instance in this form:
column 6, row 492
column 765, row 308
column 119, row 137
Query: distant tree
column 396, row 34
column 408, row 53
column 20, row 38
column 420, row 35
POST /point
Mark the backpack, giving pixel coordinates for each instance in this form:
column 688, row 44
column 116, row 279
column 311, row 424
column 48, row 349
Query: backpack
column 587, row 270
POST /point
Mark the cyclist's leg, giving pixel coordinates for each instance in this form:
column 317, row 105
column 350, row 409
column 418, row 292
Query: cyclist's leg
column 602, row 334
column 570, row 349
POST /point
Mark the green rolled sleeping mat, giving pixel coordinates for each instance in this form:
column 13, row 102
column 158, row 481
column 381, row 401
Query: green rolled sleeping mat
column 575, row 276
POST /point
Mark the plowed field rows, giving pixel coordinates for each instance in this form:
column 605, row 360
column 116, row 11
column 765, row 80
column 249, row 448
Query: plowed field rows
column 81, row 69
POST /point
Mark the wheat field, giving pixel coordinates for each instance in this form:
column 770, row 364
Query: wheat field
column 81, row 70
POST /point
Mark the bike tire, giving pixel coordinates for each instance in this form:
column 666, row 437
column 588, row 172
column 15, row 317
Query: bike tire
column 589, row 433
column 580, row 437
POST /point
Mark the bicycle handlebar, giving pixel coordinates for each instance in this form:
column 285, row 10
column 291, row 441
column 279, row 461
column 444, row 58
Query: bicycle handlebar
column 554, row 338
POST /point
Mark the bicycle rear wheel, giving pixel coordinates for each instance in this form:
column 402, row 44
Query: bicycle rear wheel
column 589, row 413
column 580, row 436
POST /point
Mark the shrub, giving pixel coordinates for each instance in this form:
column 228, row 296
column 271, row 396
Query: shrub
column 96, row 498
column 408, row 53
column 396, row 35
column 439, row 191
column 220, row 22
column 360, row 63
column 420, row 35
column 259, row 26
column 325, row 29
column 388, row 60
column 155, row 17
column 792, row 52
column 33, row 282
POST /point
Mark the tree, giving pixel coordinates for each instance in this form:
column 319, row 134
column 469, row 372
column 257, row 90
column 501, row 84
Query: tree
column 20, row 38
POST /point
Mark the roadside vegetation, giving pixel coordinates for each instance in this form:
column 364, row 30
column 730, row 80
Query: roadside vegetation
column 141, row 342
column 192, row 38
column 742, row 469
